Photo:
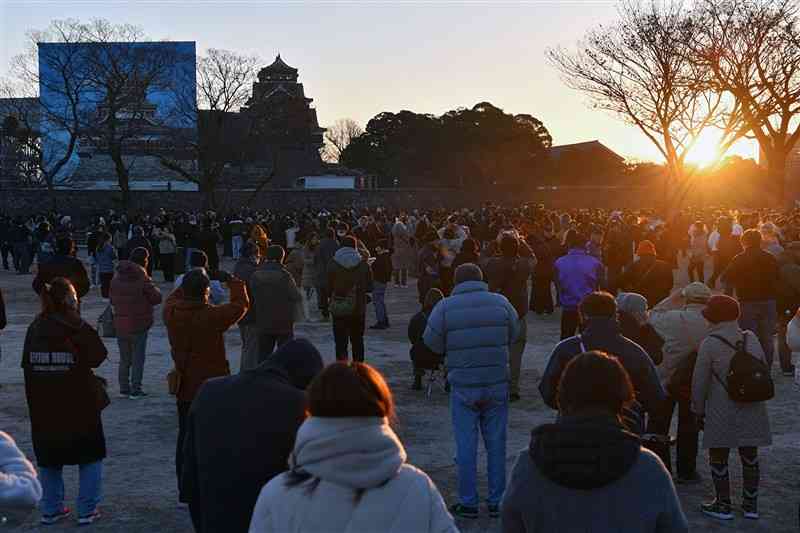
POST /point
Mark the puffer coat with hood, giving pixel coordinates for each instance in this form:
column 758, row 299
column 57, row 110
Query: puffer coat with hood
column 589, row 474
column 359, row 482
column 133, row 295
column 348, row 270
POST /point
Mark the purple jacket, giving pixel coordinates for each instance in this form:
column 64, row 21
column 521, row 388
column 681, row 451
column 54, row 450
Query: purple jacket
column 577, row 274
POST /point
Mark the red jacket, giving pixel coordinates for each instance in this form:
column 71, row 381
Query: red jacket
column 197, row 336
column 133, row 295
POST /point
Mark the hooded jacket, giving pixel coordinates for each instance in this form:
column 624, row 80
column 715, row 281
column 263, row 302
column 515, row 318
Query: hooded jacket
column 197, row 336
column 133, row 295
column 363, row 484
column 589, row 474
column 348, row 270
column 275, row 296
column 222, row 482
column 58, row 357
column 604, row 334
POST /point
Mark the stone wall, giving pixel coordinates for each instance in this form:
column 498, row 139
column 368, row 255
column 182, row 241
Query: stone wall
column 89, row 202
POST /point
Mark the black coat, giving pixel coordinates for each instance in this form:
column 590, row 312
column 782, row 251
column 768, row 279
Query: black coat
column 650, row 277
column 240, row 432
column 63, row 266
column 322, row 260
column 62, row 391
column 207, row 241
column 382, row 268
column 3, row 321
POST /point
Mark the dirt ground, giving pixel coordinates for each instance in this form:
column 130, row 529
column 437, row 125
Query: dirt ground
column 139, row 481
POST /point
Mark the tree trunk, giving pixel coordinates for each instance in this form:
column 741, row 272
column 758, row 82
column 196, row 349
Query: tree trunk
column 776, row 170
column 123, row 178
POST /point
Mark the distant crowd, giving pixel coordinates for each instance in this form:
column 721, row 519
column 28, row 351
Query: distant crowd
column 634, row 345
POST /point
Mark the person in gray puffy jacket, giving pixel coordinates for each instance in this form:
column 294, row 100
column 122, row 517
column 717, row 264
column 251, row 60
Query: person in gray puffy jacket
column 20, row 489
column 348, row 471
column 476, row 328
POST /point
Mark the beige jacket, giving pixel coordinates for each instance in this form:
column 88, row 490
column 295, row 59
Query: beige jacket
column 682, row 330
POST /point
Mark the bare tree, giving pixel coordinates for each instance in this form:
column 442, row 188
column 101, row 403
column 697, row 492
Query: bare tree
column 123, row 71
column 338, row 137
column 751, row 51
column 59, row 95
column 640, row 68
column 224, row 79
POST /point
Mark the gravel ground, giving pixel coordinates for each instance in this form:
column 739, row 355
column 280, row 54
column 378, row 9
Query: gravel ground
column 139, row 482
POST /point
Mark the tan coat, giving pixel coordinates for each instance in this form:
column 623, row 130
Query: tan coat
column 728, row 424
column 682, row 330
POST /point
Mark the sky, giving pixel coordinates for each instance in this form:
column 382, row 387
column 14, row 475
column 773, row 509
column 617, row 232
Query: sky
column 359, row 58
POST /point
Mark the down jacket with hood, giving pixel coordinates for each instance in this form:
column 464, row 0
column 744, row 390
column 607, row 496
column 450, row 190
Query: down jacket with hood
column 589, row 474
column 222, row 482
column 348, row 270
column 133, row 295
column 359, row 482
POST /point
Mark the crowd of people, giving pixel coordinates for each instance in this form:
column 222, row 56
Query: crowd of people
column 634, row 344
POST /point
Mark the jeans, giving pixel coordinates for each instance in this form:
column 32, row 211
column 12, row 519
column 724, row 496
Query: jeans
column 249, row 359
column 183, row 416
column 379, row 299
column 236, row 246
column 659, row 424
column 132, row 350
column 189, row 252
column 515, row 355
column 349, row 329
column 761, row 318
column 570, row 321
column 268, row 341
column 484, row 409
column 89, row 493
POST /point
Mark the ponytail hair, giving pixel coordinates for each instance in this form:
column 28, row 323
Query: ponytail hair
column 54, row 296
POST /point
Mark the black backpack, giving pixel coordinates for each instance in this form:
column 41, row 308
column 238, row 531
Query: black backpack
column 748, row 377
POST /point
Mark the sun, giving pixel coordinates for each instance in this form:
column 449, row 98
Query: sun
column 705, row 151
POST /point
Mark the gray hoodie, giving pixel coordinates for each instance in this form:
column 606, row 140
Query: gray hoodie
column 364, row 484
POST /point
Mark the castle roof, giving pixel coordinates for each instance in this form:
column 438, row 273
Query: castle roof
column 278, row 68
